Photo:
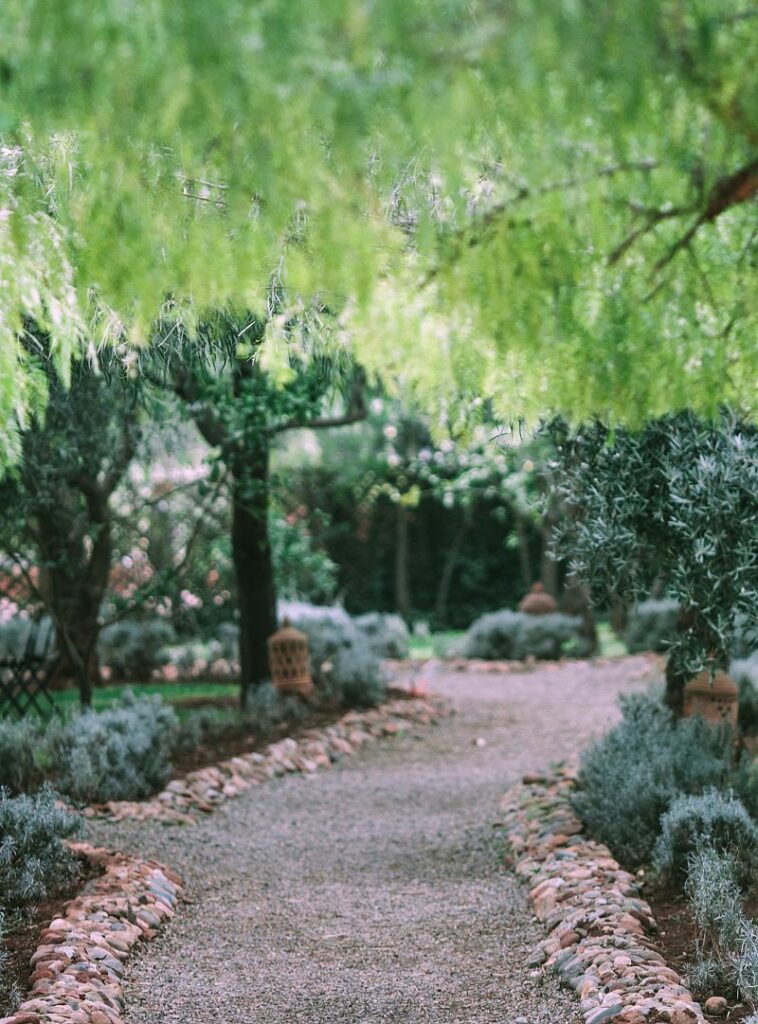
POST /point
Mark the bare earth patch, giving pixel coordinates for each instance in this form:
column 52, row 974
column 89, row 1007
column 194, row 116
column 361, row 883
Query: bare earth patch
column 374, row 892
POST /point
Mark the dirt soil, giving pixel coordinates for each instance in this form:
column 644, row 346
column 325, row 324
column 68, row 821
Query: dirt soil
column 677, row 939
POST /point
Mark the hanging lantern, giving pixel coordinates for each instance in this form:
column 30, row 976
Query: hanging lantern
column 289, row 661
column 714, row 698
column 538, row 602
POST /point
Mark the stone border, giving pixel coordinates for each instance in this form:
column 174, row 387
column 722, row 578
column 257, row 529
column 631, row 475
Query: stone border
column 202, row 790
column 80, row 963
column 599, row 929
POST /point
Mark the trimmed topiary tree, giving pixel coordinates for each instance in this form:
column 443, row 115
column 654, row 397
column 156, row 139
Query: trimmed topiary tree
column 673, row 504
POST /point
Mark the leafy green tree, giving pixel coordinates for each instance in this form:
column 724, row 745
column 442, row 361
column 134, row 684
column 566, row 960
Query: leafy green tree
column 674, row 504
column 548, row 204
column 240, row 404
column 57, row 514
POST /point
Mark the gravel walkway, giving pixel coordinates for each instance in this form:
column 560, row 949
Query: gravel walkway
column 373, row 892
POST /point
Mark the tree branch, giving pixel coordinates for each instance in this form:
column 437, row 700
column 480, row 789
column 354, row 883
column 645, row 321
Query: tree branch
column 324, row 422
column 736, row 188
column 470, row 235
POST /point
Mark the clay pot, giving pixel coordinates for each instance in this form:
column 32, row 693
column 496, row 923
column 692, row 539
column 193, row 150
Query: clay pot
column 715, row 698
column 538, row 602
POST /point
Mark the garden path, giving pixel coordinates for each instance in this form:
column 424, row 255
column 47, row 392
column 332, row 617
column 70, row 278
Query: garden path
column 374, row 892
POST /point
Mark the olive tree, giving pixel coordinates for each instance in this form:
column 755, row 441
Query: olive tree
column 674, row 504
column 56, row 510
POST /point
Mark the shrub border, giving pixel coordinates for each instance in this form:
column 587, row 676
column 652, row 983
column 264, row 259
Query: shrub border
column 203, row 790
column 79, row 965
column 599, row 929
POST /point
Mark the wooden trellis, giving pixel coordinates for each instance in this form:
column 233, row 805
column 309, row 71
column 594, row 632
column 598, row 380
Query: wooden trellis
column 25, row 671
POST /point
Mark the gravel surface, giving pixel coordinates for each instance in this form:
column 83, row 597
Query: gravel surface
column 374, row 892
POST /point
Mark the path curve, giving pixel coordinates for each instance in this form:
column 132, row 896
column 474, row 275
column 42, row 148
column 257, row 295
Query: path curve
column 374, row 892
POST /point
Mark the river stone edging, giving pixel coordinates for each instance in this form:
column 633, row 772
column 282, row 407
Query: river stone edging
column 599, row 928
column 79, row 964
column 203, row 790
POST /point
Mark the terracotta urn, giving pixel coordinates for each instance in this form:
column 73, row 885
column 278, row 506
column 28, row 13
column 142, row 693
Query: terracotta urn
column 714, row 697
column 538, row 602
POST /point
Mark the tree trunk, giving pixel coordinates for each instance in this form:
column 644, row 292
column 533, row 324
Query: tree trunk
column 618, row 615
column 524, row 556
column 77, row 664
column 446, row 577
column 676, row 679
column 676, row 676
column 402, row 584
column 576, row 601
column 254, row 567
column 549, row 567
column 75, row 585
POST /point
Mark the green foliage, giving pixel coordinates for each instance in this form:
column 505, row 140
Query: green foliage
column 266, row 708
column 630, row 777
column 744, row 671
column 745, row 964
column 122, row 753
column 472, row 511
column 674, row 501
column 729, row 938
column 707, row 975
column 303, row 570
column 508, row 635
column 651, row 626
column 387, row 635
column 34, row 863
column 132, row 650
column 709, row 819
column 579, row 239
column 715, row 897
column 344, row 666
column 19, row 740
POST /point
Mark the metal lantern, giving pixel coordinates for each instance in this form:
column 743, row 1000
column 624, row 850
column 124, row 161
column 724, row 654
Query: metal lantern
column 538, row 602
column 714, row 698
column 289, row 661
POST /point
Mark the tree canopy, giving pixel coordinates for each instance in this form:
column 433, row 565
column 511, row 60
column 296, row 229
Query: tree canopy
column 549, row 205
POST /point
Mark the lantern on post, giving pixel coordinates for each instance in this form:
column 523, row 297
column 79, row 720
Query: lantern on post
column 289, row 661
column 714, row 698
column 538, row 602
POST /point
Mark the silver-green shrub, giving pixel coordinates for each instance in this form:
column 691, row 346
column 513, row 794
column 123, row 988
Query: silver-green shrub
column 706, row 975
column 744, row 671
column 711, row 819
column 727, row 937
column 34, row 861
column 345, row 668
column 513, row 636
column 632, row 774
column 745, row 642
column 122, row 753
column 266, row 707
column 651, row 625
column 132, row 650
column 387, row 635
column 19, row 741
column 745, row 963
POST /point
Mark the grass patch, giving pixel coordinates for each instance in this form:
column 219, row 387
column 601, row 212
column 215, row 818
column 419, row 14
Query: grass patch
column 609, row 645
column 173, row 693
column 435, row 645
